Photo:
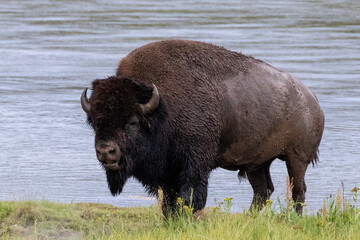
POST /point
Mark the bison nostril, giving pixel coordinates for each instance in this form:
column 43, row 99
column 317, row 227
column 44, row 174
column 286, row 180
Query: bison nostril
column 97, row 152
column 112, row 151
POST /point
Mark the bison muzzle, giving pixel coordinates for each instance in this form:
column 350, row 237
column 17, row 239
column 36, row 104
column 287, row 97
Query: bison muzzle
column 176, row 110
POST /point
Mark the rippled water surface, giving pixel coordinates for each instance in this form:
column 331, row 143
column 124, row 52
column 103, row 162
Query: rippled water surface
column 51, row 50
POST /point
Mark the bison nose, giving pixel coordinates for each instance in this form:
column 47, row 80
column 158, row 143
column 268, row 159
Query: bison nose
column 108, row 152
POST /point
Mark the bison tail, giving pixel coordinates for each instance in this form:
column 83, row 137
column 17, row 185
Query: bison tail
column 315, row 159
column 242, row 174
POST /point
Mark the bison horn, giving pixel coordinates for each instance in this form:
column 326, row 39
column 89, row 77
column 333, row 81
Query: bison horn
column 152, row 104
column 85, row 102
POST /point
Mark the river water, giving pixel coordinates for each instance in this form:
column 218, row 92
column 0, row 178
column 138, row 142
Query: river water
column 51, row 50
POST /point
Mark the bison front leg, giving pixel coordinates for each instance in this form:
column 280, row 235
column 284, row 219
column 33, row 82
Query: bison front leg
column 262, row 185
column 168, row 202
column 194, row 192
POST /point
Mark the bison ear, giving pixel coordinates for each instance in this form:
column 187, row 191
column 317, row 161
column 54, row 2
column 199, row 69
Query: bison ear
column 142, row 90
column 152, row 104
column 148, row 97
column 95, row 83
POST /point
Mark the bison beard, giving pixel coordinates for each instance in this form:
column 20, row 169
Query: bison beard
column 116, row 180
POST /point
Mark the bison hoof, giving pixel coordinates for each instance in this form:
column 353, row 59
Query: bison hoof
column 198, row 215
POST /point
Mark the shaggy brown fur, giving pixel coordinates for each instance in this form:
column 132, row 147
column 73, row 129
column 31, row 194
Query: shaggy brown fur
column 218, row 108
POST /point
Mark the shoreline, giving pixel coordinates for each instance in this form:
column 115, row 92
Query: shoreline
column 48, row 220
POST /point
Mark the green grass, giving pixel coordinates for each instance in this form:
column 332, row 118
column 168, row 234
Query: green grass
column 339, row 219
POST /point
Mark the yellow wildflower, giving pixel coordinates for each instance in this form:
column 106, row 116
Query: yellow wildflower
column 179, row 201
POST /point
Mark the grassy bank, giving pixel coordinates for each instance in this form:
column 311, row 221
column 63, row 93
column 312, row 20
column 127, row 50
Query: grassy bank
column 339, row 219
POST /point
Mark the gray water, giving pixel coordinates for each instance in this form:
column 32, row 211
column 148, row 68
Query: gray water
column 51, row 50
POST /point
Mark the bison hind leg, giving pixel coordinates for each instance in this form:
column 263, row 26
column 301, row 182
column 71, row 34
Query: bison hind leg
column 260, row 180
column 297, row 164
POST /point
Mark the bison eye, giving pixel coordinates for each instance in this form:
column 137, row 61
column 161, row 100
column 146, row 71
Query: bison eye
column 132, row 123
column 134, row 120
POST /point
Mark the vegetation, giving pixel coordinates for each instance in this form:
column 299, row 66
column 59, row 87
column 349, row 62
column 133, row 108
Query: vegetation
column 338, row 219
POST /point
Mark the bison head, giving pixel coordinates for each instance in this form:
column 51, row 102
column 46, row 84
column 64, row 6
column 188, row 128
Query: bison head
column 119, row 110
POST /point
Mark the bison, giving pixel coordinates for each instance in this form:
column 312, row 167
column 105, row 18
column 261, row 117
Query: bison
column 176, row 110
